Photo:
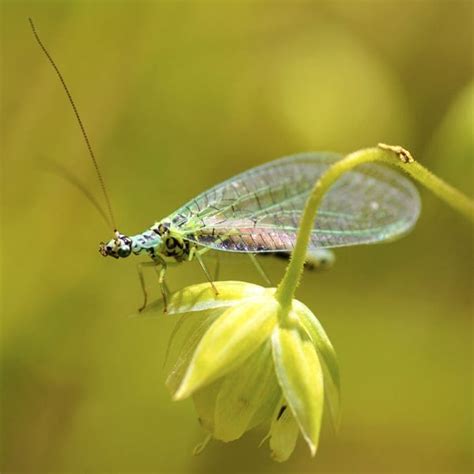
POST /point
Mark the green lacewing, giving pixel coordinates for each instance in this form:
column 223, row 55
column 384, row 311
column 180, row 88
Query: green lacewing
column 259, row 210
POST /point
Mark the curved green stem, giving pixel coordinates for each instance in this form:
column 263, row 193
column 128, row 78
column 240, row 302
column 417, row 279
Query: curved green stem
column 391, row 155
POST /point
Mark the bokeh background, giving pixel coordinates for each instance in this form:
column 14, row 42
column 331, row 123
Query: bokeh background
column 176, row 97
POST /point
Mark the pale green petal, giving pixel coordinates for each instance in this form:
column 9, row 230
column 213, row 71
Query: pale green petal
column 205, row 404
column 231, row 339
column 329, row 363
column 202, row 297
column 283, row 434
column 265, row 411
column 244, row 392
column 182, row 321
column 300, row 375
column 176, row 374
column 186, row 325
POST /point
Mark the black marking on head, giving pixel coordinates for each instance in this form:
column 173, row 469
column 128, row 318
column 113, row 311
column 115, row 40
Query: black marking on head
column 280, row 413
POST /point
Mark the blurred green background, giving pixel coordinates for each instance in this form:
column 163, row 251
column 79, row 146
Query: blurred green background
column 176, row 97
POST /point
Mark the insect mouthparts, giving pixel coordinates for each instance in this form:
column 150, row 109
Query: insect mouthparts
column 103, row 249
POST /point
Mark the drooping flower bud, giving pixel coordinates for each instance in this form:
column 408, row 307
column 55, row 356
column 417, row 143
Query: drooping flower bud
column 245, row 366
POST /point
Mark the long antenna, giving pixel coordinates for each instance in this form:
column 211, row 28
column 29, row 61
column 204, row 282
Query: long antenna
column 76, row 113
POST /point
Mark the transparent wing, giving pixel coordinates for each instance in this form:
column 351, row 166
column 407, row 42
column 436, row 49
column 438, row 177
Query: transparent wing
column 260, row 209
